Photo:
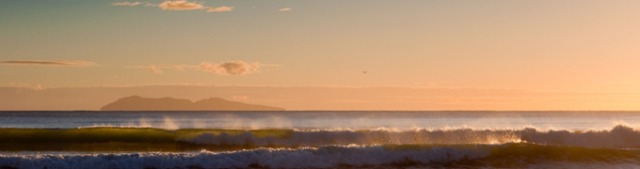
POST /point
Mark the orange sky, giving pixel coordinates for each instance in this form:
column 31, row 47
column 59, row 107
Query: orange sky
column 413, row 54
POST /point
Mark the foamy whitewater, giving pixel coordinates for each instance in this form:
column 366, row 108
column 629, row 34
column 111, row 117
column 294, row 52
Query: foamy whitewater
column 113, row 140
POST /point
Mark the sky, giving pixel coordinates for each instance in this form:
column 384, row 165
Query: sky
column 565, row 55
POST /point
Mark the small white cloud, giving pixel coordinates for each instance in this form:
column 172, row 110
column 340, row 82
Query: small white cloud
column 155, row 69
column 220, row 9
column 231, row 68
column 177, row 5
column 285, row 9
column 180, row 5
column 126, row 3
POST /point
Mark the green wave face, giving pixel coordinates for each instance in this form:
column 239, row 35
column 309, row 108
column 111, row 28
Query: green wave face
column 152, row 139
column 116, row 139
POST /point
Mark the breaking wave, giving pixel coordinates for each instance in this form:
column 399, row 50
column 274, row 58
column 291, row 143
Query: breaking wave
column 619, row 136
column 110, row 148
column 149, row 139
column 415, row 156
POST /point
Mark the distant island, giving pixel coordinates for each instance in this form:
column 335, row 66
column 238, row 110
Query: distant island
column 137, row 103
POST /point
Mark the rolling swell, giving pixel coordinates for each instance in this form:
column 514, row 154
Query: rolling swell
column 149, row 139
column 109, row 148
column 443, row 156
column 619, row 136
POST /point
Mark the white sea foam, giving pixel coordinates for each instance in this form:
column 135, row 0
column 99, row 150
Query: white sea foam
column 323, row 157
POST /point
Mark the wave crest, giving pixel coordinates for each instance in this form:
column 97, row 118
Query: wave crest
column 444, row 156
column 378, row 137
column 619, row 136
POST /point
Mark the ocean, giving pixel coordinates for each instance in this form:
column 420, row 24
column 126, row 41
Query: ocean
column 319, row 139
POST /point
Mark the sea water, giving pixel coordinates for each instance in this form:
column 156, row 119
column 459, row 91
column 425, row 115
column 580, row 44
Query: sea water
column 402, row 120
column 320, row 139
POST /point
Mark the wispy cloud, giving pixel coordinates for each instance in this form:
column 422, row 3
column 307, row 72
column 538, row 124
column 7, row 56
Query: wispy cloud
column 220, row 9
column 126, row 3
column 233, row 68
column 178, row 5
column 23, row 86
column 48, row 62
column 155, row 69
column 160, row 68
column 285, row 9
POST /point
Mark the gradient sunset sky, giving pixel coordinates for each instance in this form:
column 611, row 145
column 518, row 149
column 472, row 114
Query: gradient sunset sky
column 324, row 54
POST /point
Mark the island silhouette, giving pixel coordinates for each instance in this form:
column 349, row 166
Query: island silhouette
column 137, row 103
